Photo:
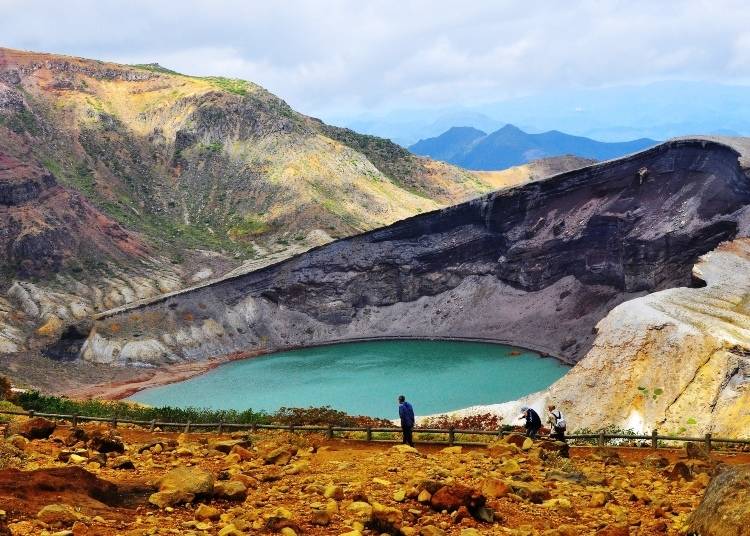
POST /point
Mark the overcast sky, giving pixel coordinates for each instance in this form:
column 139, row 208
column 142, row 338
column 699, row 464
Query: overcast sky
column 351, row 56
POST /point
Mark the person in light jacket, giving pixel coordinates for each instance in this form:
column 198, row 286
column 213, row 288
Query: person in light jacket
column 406, row 412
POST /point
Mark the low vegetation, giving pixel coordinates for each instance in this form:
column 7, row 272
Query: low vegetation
column 41, row 403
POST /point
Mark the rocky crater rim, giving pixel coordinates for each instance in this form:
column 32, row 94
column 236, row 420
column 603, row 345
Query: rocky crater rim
column 481, row 200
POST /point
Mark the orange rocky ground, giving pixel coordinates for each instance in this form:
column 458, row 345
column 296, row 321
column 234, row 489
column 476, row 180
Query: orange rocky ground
column 202, row 484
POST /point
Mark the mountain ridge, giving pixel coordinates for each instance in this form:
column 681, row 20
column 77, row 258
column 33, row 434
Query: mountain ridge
column 509, row 146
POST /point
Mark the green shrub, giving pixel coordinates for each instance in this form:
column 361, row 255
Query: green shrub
column 98, row 408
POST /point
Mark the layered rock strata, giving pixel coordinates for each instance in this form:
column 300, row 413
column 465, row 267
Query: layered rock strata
column 676, row 360
column 538, row 266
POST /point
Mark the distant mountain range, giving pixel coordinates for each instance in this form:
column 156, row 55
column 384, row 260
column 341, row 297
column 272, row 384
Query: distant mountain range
column 472, row 148
column 659, row 111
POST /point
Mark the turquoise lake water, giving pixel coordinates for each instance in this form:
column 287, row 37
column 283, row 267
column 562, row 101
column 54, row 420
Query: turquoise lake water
column 364, row 378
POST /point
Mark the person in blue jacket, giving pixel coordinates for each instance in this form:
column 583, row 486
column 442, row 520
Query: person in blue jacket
column 406, row 412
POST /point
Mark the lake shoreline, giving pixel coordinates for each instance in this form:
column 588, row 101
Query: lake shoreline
column 159, row 377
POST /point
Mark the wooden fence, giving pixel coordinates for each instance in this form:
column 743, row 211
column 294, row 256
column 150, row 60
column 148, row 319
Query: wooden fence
column 330, row 431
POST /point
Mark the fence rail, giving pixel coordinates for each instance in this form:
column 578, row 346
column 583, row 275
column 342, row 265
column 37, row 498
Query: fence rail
column 220, row 427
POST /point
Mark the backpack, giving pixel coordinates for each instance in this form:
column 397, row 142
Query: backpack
column 560, row 423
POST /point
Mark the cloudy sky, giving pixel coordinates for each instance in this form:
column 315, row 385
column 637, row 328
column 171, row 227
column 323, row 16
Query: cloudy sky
column 345, row 57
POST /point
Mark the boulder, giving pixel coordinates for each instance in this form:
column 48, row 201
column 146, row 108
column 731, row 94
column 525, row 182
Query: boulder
column 725, row 508
column 280, row 456
column 227, row 445
column 385, row 519
column 75, row 435
column 106, row 442
column 188, row 480
column 36, row 428
column 170, row 497
column 561, row 448
column 58, row 515
column 242, row 452
column 509, row 467
column 501, row 449
column 515, row 439
column 453, row 496
column 531, row 491
column 676, row 471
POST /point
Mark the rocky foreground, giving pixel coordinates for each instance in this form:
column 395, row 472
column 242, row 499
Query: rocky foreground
column 103, row 481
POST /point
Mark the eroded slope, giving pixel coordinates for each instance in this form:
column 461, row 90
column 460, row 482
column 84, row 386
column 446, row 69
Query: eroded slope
column 538, row 266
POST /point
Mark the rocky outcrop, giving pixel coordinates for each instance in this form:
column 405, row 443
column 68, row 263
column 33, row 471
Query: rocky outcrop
column 538, row 266
column 724, row 508
column 676, row 360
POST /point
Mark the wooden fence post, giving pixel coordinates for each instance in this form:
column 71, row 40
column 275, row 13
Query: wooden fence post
column 153, row 425
column 369, row 433
column 601, row 439
column 74, row 422
column 114, row 421
column 451, row 435
column 708, row 442
column 654, row 439
column 329, row 434
column 221, row 427
column 31, row 414
column 187, row 427
column 254, row 427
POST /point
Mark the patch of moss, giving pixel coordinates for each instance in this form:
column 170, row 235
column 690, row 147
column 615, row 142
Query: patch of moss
column 155, row 68
column 249, row 225
column 232, row 85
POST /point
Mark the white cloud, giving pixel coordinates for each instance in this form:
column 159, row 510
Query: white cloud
column 341, row 55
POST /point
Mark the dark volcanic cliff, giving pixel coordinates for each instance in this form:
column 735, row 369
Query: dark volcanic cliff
column 538, row 266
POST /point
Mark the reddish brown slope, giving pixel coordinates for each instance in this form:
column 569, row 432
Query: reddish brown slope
column 48, row 227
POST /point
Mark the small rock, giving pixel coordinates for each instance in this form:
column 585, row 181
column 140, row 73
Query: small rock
column 333, row 492
column 166, row 498
column 453, row 496
column 18, row 441
column 231, row 530
column 360, row 511
column 386, row 518
column 431, row 530
column 205, row 512
column 453, row 450
column 494, row 488
column 404, row 449
column 123, row 462
column 77, row 459
column 232, row 490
